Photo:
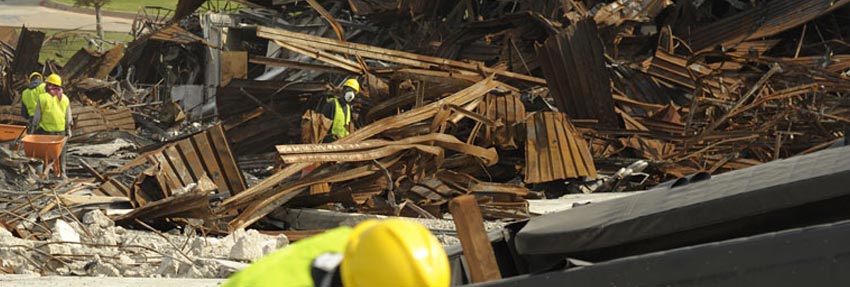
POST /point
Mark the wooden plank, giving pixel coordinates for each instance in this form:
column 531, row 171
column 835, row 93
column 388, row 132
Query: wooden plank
column 118, row 117
column 565, row 146
column 196, row 168
column 571, row 143
column 89, row 123
column 167, row 183
column 172, row 179
column 88, row 130
column 541, row 146
column 480, row 258
column 87, row 116
column 553, row 148
column 111, row 189
column 208, row 158
column 119, row 122
column 277, row 62
column 176, row 161
column 266, row 193
column 532, row 163
column 225, row 157
column 379, row 53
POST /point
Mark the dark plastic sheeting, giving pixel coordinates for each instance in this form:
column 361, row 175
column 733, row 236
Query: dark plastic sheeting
column 748, row 193
column 811, row 256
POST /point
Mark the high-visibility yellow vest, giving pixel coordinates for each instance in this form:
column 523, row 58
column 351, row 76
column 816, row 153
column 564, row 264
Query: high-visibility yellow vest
column 290, row 266
column 339, row 129
column 52, row 112
column 30, row 98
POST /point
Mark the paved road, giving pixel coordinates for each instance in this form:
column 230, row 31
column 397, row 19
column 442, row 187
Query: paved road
column 17, row 12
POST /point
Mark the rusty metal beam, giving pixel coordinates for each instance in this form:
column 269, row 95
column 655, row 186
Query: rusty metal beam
column 574, row 65
column 766, row 19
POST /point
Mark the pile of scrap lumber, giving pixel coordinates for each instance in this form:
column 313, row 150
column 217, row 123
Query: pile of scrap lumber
column 502, row 100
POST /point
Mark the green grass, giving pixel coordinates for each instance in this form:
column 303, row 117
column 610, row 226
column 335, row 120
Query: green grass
column 130, row 6
column 133, row 6
column 61, row 45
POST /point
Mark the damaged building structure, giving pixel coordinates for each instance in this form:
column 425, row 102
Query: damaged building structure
column 600, row 142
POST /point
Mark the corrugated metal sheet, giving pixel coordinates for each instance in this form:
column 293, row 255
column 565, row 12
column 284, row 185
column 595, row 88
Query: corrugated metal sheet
column 769, row 18
column 554, row 150
column 511, row 111
column 574, row 65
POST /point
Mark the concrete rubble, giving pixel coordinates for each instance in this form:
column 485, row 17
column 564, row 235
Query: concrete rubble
column 200, row 145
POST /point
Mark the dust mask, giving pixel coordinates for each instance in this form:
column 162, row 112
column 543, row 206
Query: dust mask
column 349, row 96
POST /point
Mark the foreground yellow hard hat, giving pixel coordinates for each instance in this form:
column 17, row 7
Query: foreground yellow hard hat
column 352, row 83
column 54, row 79
column 35, row 74
column 407, row 253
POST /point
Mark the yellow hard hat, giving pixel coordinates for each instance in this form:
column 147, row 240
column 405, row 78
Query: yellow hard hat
column 54, row 79
column 352, row 83
column 35, row 74
column 409, row 255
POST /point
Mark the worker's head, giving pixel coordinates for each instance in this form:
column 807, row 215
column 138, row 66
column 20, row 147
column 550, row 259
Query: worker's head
column 394, row 252
column 350, row 88
column 35, row 76
column 54, row 80
column 53, row 85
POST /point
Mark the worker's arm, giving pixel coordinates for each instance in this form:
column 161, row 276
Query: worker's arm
column 69, row 121
column 24, row 110
column 36, row 118
column 328, row 110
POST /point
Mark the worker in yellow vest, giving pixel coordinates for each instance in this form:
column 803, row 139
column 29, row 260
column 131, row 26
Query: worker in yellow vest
column 30, row 95
column 340, row 111
column 392, row 252
column 52, row 114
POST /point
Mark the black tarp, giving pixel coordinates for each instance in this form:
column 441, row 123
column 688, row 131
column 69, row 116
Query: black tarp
column 810, row 256
column 783, row 194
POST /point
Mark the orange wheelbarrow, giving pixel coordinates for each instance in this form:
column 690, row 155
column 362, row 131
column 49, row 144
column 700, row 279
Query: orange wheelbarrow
column 11, row 132
column 47, row 148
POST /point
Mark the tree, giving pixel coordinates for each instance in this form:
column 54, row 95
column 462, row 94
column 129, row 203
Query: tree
column 97, row 4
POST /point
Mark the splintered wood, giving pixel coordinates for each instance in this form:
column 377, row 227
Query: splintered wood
column 500, row 101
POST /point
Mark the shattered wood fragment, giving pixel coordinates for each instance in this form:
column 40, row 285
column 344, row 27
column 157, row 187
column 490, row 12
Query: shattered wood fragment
column 554, row 150
column 621, row 11
column 511, row 110
column 87, row 120
column 276, row 62
column 471, row 185
column 174, row 33
column 340, row 33
column 192, row 204
column 233, row 175
column 268, row 195
column 300, row 41
column 179, row 165
column 119, row 119
column 766, row 19
column 375, row 149
column 109, row 61
column 574, row 65
column 287, row 191
column 207, row 157
column 477, row 250
column 25, row 60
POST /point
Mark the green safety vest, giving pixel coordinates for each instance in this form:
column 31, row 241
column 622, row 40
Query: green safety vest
column 53, row 112
column 290, row 266
column 30, row 98
column 341, row 119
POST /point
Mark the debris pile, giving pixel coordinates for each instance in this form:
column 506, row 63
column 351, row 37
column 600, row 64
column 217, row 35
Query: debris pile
column 211, row 123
